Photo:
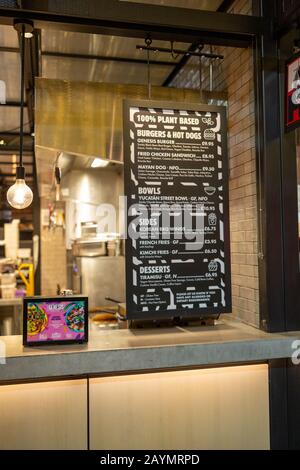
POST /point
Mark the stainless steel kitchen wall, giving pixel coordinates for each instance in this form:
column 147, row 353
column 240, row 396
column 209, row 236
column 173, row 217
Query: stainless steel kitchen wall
column 85, row 118
column 86, row 190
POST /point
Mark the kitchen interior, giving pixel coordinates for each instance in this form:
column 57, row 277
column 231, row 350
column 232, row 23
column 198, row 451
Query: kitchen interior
column 73, row 156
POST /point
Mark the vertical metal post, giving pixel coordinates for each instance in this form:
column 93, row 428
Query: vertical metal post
column 269, row 175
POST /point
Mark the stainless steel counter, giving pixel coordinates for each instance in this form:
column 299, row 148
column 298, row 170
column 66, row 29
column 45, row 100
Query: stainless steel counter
column 119, row 351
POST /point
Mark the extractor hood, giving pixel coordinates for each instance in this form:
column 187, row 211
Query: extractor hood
column 84, row 119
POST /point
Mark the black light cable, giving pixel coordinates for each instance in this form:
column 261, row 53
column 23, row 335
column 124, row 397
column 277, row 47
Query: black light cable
column 22, row 95
column 20, row 195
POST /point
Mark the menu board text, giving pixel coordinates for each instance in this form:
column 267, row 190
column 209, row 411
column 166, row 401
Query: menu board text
column 176, row 183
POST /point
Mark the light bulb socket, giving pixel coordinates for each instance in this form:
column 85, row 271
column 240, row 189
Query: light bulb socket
column 20, row 173
column 28, row 26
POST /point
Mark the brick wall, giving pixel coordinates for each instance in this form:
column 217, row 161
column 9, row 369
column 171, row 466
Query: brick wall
column 235, row 75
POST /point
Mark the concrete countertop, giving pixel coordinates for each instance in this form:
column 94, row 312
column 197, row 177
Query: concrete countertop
column 119, row 351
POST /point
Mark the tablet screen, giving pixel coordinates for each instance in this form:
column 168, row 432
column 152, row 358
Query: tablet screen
column 57, row 320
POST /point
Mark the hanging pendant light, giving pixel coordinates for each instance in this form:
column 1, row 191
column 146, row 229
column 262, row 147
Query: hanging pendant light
column 20, row 195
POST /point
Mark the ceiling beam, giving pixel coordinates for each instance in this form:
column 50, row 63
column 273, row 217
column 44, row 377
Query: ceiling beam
column 112, row 17
column 9, row 49
column 12, row 104
column 13, row 175
column 27, row 153
column 8, row 135
column 69, row 55
column 10, row 162
column 224, row 7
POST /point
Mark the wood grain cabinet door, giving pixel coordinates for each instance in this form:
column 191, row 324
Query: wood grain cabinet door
column 221, row 408
column 46, row 416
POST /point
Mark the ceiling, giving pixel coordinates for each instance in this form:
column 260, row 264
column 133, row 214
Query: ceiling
column 81, row 57
column 90, row 57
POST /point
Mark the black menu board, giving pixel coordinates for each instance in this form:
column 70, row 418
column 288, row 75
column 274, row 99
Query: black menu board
column 176, row 184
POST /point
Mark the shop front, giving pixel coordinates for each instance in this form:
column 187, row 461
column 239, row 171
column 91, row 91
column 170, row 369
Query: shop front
column 152, row 252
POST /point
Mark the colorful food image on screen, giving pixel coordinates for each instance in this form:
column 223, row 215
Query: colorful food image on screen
column 55, row 321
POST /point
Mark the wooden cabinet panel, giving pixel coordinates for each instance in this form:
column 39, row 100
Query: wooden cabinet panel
column 50, row 415
column 223, row 408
